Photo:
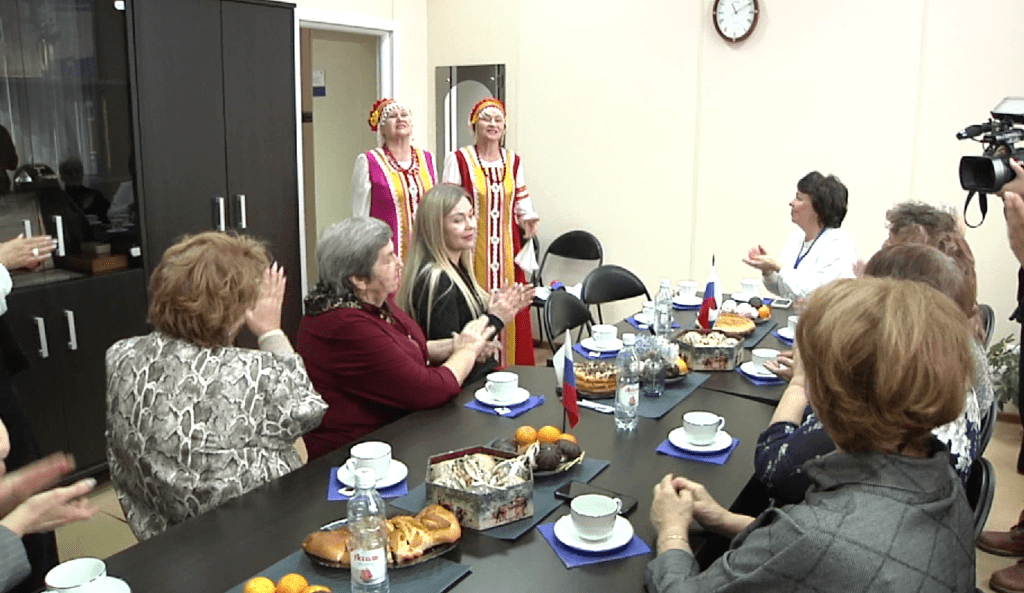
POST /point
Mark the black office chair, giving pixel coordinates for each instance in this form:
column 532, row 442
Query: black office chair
column 562, row 311
column 988, row 426
column 988, row 321
column 980, row 489
column 609, row 283
column 578, row 245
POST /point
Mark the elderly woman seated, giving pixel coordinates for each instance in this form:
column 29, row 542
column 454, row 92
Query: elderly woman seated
column 366, row 356
column 796, row 434
column 191, row 420
column 885, row 511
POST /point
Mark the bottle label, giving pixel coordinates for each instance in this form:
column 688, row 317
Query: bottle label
column 628, row 394
column 369, row 567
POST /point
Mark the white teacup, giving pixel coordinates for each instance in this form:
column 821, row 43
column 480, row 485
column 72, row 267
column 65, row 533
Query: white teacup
column 502, row 385
column 604, row 335
column 763, row 355
column 687, row 289
column 78, row 575
column 793, row 320
column 374, row 455
column 648, row 309
column 750, row 286
column 593, row 515
column 701, row 428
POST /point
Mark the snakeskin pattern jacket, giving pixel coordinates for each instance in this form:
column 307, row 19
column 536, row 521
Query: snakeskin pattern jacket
column 190, row 427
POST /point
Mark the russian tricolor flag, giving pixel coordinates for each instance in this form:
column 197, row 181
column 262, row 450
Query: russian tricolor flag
column 712, row 297
column 572, row 409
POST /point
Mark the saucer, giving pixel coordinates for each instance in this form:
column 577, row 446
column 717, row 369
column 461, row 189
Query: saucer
column 749, row 368
column 397, row 472
column 641, row 319
column 589, row 344
column 690, row 301
column 787, row 333
column 483, row 396
column 622, row 533
column 677, row 437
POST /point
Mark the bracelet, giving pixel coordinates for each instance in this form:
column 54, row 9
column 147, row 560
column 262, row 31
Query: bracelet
column 679, row 537
column 268, row 335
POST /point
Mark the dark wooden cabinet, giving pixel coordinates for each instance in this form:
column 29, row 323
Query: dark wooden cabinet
column 65, row 329
column 217, row 121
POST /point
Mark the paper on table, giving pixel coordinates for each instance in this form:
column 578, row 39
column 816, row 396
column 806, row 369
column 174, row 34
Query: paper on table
column 514, row 411
column 760, row 381
column 334, row 486
column 717, row 458
column 572, row 558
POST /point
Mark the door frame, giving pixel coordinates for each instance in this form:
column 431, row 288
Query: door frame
column 388, row 43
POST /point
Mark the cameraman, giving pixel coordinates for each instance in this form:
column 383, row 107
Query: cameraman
column 1001, row 542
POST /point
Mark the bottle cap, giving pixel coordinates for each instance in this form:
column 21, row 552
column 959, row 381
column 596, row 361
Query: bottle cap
column 628, row 339
column 666, row 282
column 365, row 478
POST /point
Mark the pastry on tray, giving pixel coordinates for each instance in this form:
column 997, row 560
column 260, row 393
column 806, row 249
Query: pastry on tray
column 735, row 324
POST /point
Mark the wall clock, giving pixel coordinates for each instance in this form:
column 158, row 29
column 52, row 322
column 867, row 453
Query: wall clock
column 735, row 19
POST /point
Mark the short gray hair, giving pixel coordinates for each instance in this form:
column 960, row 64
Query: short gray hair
column 349, row 248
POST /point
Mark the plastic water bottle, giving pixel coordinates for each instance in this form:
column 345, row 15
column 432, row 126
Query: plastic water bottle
column 663, row 309
column 369, row 540
column 627, row 392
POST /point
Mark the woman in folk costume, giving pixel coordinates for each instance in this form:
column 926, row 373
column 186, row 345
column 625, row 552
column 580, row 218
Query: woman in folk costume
column 493, row 176
column 388, row 182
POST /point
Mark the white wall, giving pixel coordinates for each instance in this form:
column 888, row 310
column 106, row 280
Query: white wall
column 637, row 122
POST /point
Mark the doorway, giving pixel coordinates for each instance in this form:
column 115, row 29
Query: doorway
column 344, row 63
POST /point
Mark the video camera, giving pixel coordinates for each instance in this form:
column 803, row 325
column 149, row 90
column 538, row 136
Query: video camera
column 999, row 137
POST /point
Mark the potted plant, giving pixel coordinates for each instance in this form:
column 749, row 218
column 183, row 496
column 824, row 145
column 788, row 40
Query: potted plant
column 1004, row 364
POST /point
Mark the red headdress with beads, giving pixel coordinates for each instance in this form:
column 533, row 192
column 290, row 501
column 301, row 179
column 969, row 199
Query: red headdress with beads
column 378, row 112
column 474, row 115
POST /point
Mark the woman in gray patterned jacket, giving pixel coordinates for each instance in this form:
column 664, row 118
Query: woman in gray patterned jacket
column 193, row 421
column 885, row 362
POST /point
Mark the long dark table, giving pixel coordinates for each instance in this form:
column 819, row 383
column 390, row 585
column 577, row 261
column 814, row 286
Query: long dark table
column 731, row 381
column 233, row 542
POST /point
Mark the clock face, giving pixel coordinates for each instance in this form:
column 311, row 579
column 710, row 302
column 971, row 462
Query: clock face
column 735, row 19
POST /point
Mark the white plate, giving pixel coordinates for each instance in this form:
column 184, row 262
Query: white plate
column 622, row 532
column 483, row 396
column 641, row 319
column 397, row 472
column 749, row 368
column 741, row 296
column 787, row 333
column 690, row 301
column 589, row 344
column 723, row 441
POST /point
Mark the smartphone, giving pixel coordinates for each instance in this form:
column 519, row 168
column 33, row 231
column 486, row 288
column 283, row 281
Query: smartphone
column 574, row 489
column 781, row 303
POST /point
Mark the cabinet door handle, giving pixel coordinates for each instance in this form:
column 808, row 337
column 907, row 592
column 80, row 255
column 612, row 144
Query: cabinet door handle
column 44, row 349
column 27, row 224
column 219, row 215
column 72, row 334
column 58, row 223
column 240, row 203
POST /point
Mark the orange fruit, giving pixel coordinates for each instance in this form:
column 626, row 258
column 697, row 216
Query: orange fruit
column 764, row 312
column 526, row 435
column 292, row 583
column 260, row 585
column 568, row 437
column 316, row 589
column 681, row 365
column 548, row 434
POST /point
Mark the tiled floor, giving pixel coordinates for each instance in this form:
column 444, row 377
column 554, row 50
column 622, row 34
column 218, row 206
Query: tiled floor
column 107, row 533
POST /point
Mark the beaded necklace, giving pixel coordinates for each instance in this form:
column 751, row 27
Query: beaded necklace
column 393, row 162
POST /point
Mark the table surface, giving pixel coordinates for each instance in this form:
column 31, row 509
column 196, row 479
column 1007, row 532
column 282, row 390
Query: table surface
column 233, row 542
column 731, row 381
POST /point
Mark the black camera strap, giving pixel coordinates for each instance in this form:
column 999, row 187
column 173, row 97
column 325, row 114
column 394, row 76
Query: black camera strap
column 982, row 205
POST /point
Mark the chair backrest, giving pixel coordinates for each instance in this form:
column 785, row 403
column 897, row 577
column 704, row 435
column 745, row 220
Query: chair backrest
column 988, row 321
column 988, row 425
column 573, row 245
column 563, row 311
column 980, row 489
column 610, row 282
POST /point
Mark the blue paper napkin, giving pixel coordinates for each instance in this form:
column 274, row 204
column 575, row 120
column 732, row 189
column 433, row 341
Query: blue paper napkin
column 516, row 410
column 717, row 458
column 686, row 307
column 334, row 485
column 761, row 381
column 645, row 326
column 593, row 354
column 782, row 339
column 572, row 558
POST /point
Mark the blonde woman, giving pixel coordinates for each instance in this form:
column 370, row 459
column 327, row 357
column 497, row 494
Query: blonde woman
column 389, row 181
column 441, row 293
column 494, row 178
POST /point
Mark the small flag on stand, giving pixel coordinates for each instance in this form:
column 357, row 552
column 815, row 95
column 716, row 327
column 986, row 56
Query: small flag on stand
column 712, row 298
column 572, row 409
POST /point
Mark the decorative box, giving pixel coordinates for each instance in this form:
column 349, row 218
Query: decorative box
column 711, row 358
column 482, row 510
